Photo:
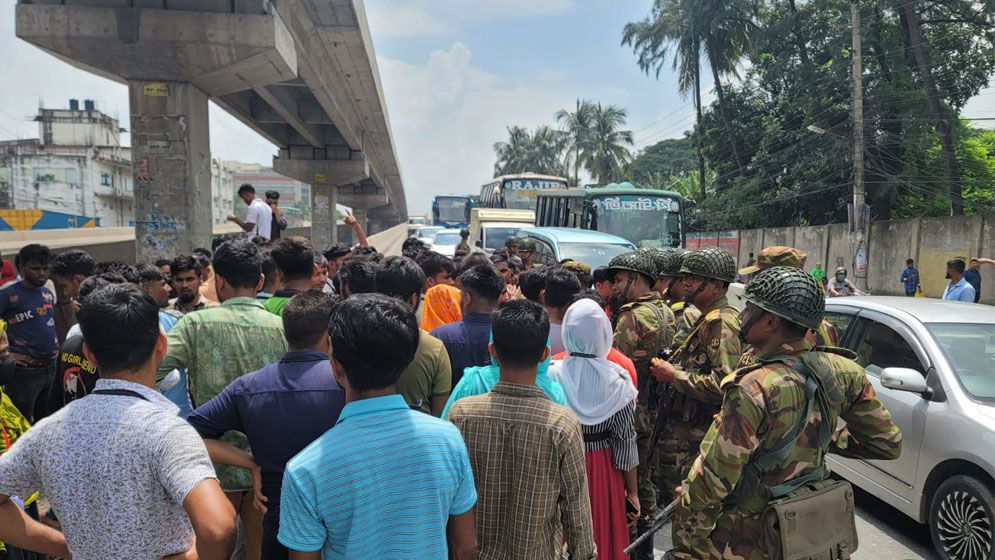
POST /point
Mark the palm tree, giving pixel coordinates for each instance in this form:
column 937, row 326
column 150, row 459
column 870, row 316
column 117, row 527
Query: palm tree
column 540, row 151
column 608, row 152
column 577, row 125
column 667, row 32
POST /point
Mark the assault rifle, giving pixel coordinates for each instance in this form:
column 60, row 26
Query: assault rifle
column 662, row 519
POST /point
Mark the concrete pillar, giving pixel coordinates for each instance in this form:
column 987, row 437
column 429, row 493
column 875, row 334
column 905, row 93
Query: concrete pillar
column 171, row 157
column 322, row 216
column 333, row 200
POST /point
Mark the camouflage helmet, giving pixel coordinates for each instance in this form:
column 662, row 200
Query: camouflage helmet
column 710, row 262
column 669, row 262
column 790, row 293
column 777, row 256
column 527, row 244
column 634, row 261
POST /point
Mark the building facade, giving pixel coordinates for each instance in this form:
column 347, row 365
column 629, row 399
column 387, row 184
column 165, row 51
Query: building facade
column 295, row 196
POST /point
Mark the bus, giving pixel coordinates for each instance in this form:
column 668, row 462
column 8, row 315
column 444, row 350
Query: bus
column 647, row 217
column 452, row 210
column 518, row 191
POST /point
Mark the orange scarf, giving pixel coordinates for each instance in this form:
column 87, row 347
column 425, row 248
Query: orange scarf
column 442, row 306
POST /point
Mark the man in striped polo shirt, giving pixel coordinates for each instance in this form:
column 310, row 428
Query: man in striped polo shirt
column 386, row 481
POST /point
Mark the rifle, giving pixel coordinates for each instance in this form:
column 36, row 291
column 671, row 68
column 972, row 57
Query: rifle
column 662, row 519
column 662, row 405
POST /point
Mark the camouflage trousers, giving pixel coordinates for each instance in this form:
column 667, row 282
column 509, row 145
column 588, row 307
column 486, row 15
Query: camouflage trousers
column 644, row 421
column 677, row 449
column 737, row 535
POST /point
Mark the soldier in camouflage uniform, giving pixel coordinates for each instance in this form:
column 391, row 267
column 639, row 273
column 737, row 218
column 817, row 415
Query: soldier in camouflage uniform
column 669, row 283
column 718, row 515
column 644, row 329
column 710, row 352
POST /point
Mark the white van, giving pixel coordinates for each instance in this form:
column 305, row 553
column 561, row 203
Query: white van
column 489, row 227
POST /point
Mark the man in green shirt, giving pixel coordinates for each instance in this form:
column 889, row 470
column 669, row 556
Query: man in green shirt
column 220, row 344
column 819, row 274
column 294, row 258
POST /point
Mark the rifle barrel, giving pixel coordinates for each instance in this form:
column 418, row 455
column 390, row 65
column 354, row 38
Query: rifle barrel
column 662, row 519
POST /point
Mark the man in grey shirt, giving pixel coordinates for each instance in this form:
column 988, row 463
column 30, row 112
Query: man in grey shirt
column 127, row 476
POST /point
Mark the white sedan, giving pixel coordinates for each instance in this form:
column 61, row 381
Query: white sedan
column 445, row 242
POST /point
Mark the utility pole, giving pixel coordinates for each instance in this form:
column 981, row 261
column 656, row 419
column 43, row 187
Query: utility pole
column 860, row 225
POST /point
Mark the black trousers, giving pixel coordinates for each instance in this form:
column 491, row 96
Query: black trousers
column 29, row 388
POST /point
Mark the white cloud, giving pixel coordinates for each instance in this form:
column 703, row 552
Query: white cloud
column 446, row 116
column 429, row 18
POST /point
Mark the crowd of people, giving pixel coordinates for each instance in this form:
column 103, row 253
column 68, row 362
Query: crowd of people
column 262, row 399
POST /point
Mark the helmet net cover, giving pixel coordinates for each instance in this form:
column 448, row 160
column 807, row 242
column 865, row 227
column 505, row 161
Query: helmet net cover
column 634, row 261
column 712, row 263
column 669, row 263
column 789, row 293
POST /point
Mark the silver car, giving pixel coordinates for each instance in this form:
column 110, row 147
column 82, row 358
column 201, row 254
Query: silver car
column 932, row 363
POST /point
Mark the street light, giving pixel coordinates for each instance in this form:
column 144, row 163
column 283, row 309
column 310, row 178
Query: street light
column 815, row 129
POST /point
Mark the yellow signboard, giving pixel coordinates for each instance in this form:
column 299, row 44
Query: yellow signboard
column 156, row 89
column 320, row 178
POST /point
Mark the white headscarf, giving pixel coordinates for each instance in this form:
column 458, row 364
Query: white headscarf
column 595, row 387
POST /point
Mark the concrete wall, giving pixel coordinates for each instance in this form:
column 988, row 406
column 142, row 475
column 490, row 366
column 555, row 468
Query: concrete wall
column 930, row 241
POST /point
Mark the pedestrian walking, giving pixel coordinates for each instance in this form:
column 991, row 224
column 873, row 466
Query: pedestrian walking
column 28, row 308
column 775, row 426
column 150, row 488
column 910, row 278
column 386, row 481
column 219, row 344
column 280, row 408
column 958, row 289
column 527, row 453
column 603, row 397
column 466, row 340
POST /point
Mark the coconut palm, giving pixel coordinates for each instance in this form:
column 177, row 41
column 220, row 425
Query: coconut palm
column 607, row 152
column 540, row 151
column 577, row 125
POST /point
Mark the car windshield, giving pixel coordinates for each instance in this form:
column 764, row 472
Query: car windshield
column 427, row 232
column 970, row 350
column 494, row 237
column 416, row 221
column 592, row 254
column 446, row 239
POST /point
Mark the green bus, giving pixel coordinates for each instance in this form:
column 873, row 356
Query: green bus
column 646, row 217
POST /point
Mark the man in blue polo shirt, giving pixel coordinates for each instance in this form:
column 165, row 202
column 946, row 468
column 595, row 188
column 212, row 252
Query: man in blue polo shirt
column 386, row 481
column 958, row 289
column 280, row 408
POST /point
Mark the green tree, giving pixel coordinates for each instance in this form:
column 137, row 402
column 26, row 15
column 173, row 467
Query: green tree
column 673, row 157
column 540, row 151
column 607, row 154
column 578, row 125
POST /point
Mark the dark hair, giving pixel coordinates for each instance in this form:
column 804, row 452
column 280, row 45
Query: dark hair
column 483, row 281
column 33, row 253
column 99, row 281
column 275, row 195
column 240, row 263
column 433, row 263
column 520, row 329
column 295, row 257
column 221, row 240
column 260, row 241
column 369, row 252
column 336, row 251
column 149, row 273
column 246, row 188
column 73, row 262
column 203, row 261
column 459, row 254
column 184, row 263
column 498, row 258
column 129, row 272
column 358, row 272
column 532, row 282
column 399, row 277
column 464, row 233
column 561, row 285
column 470, row 261
column 957, row 264
column 412, row 247
column 207, row 253
column 600, row 274
column 374, row 337
column 120, row 324
column 305, row 318
column 269, row 271
column 910, row 261
column 590, row 294
column 164, row 262
column 514, row 261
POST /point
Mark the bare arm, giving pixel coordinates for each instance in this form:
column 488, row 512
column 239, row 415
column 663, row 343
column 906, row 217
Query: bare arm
column 246, row 226
column 19, row 530
column 213, row 520
column 983, row 260
column 227, row 454
column 438, row 404
column 298, row 555
column 462, row 536
column 352, row 222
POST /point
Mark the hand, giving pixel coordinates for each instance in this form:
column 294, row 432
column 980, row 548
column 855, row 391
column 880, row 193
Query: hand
column 258, row 499
column 511, row 292
column 4, row 343
column 22, row 360
column 662, row 370
column 350, row 220
column 633, row 517
column 232, row 218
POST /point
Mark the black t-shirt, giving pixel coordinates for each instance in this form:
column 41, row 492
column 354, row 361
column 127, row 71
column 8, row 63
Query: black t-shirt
column 76, row 375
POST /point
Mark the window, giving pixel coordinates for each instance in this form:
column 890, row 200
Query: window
column 882, row 347
column 840, row 321
column 106, row 180
column 544, row 254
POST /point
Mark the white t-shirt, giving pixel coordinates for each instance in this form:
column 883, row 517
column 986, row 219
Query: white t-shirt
column 261, row 214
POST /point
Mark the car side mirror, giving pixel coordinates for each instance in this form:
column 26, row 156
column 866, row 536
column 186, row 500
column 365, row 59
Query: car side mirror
column 905, row 379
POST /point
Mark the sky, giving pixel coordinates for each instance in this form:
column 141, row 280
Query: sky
column 455, row 74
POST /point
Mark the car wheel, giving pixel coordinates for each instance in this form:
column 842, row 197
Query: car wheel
column 962, row 520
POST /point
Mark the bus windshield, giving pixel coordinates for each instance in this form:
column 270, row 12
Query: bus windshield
column 647, row 221
column 520, row 193
column 451, row 210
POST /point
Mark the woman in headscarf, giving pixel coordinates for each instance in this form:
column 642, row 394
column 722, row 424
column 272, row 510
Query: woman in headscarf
column 602, row 396
column 442, row 306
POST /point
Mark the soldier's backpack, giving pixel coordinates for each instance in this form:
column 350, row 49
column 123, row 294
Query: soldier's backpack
column 810, row 517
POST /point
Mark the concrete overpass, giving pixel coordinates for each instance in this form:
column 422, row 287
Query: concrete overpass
column 302, row 73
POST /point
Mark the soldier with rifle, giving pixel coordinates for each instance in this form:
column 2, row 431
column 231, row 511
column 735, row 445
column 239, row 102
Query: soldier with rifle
column 644, row 329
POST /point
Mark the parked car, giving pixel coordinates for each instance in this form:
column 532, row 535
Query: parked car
column 592, row 248
column 932, row 363
column 427, row 233
column 445, row 242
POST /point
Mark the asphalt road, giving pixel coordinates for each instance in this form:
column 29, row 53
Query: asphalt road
column 883, row 533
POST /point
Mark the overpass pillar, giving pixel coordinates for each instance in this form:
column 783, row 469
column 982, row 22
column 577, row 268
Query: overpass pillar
column 171, row 157
column 323, row 217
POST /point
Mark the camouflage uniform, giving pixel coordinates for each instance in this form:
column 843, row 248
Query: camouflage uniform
column 762, row 404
